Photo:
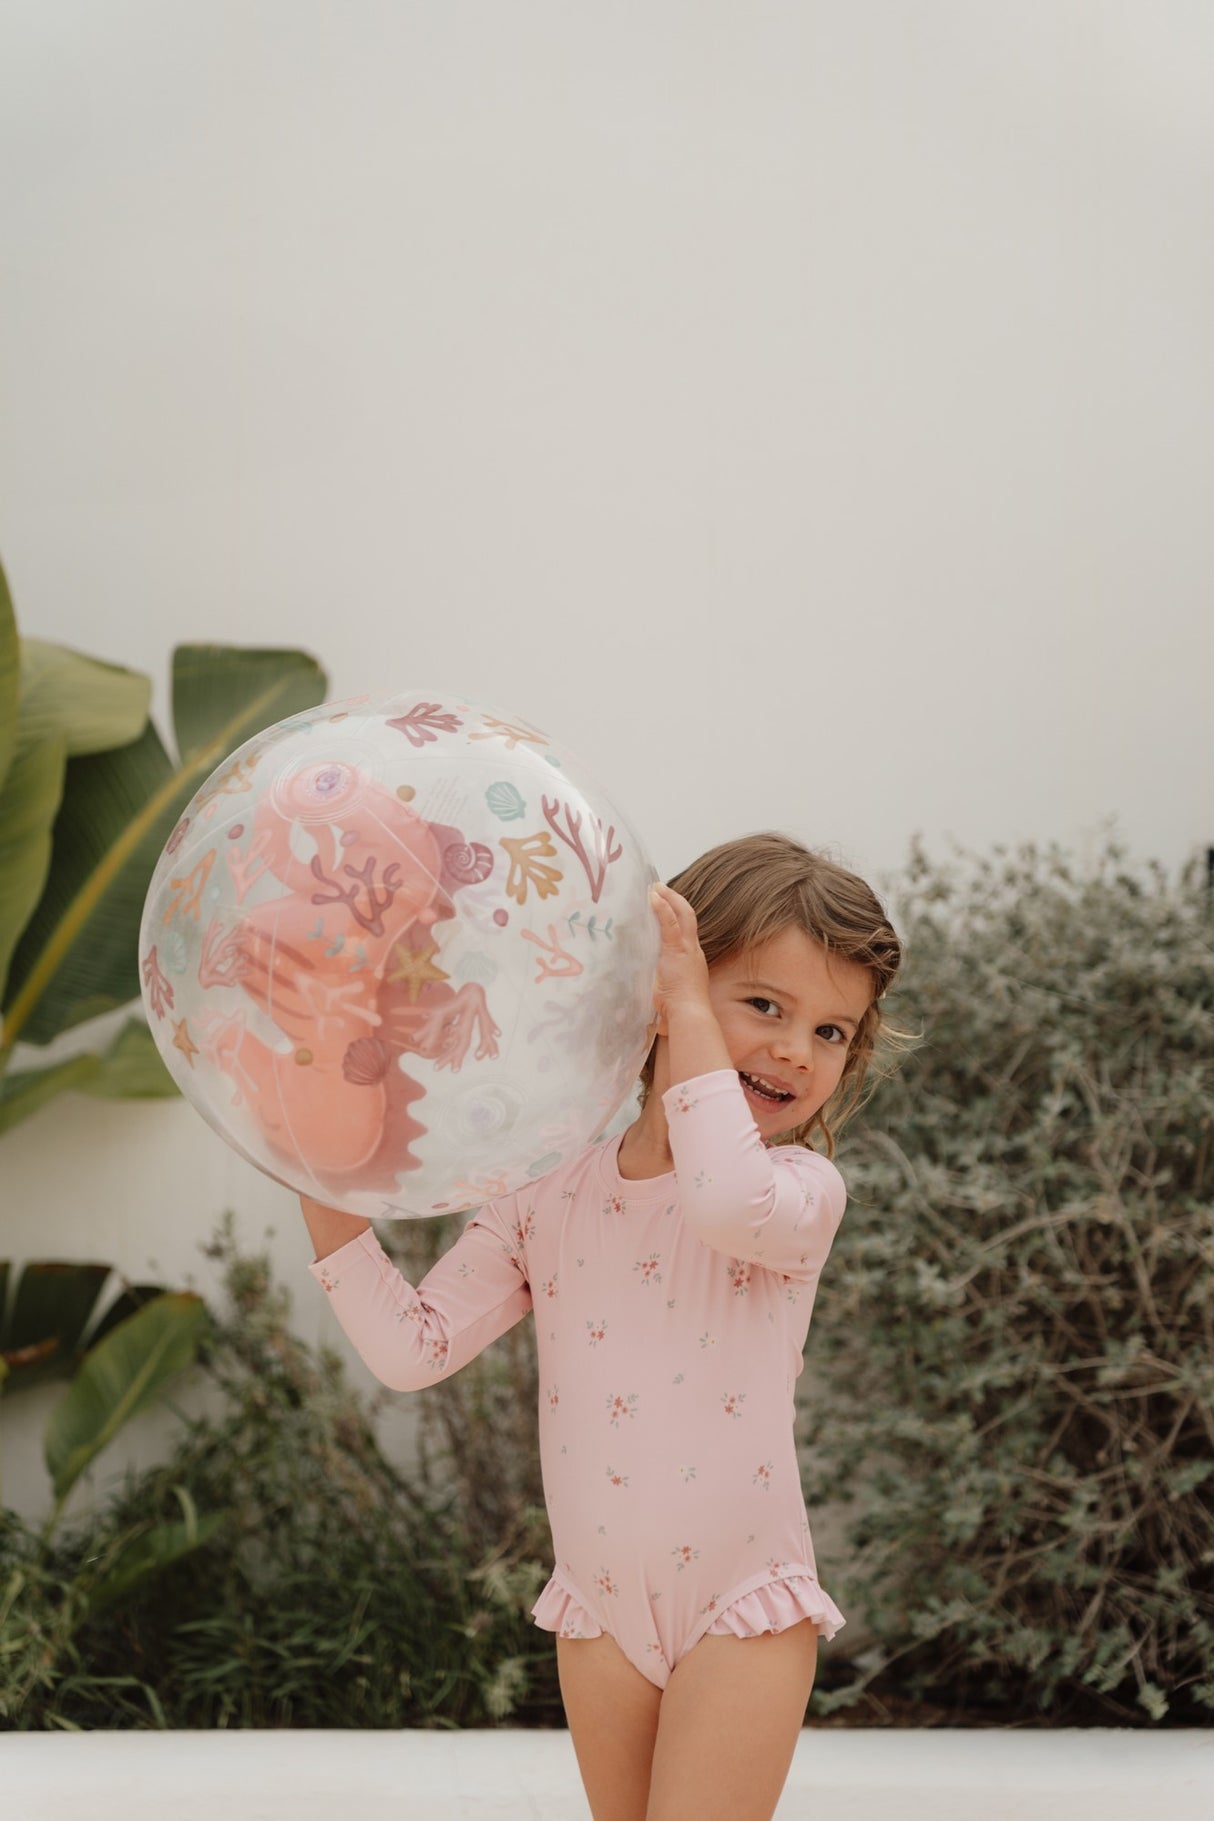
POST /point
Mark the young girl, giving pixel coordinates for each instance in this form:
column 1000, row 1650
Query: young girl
column 672, row 1272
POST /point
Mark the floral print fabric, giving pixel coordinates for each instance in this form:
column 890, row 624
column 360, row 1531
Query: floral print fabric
column 671, row 1314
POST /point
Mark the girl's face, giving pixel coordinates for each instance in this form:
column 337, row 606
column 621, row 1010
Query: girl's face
column 789, row 1012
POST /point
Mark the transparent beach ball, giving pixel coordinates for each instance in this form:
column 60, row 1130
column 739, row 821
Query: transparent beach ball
column 399, row 953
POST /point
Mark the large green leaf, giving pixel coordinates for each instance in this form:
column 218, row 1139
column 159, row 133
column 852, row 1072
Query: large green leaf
column 130, row 1069
column 10, row 677
column 79, row 954
column 123, row 1374
column 29, row 801
column 93, row 706
column 52, row 1307
column 68, row 704
column 25, row 1091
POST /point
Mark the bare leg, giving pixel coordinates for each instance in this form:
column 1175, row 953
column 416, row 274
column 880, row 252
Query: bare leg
column 730, row 1717
column 612, row 1711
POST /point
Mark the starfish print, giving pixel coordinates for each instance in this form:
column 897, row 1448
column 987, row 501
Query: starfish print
column 415, row 966
column 183, row 1042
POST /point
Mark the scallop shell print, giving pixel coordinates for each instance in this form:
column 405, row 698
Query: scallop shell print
column 506, row 802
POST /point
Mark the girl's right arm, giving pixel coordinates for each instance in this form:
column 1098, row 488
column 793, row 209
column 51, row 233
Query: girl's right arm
column 329, row 1227
column 410, row 1337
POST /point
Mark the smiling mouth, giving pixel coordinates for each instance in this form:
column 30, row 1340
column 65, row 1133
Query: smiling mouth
column 764, row 1090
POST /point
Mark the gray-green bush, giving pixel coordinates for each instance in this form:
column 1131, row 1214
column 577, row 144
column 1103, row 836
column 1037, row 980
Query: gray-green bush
column 1017, row 1327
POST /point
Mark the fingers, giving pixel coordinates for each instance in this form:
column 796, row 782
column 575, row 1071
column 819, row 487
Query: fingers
column 675, row 915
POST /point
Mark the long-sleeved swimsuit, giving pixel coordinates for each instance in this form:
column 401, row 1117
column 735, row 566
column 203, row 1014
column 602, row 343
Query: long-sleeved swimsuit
column 670, row 1314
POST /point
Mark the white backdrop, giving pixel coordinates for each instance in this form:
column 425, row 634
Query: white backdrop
column 803, row 411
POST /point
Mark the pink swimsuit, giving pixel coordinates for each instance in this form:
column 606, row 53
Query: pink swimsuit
column 670, row 1319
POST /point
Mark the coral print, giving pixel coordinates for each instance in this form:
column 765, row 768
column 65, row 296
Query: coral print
column 596, row 1331
column 160, row 989
column 601, row 854
column 513, row 732
column 763, row 1476
column 247, row 869
column 527, row 854
column 346, row 962
column 619, row 1407
column 731, row 1400
column 684, row 1556
column 423, row 724
column 230, row 783
column 648, row 1267
column 555, row 962
column 189, row 888
column 739, row 1276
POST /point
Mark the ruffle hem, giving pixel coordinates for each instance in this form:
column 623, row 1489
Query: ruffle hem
column 774, row 1606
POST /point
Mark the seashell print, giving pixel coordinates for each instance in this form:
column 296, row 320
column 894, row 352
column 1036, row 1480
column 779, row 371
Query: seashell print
column 365, row 1062
column 506, row 802
column 175, row 950
column 481, row 1113
column 466, row 864
column 477, row 967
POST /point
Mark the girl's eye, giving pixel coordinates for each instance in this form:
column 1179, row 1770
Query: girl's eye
column 763, row 1005
column 832, row 1033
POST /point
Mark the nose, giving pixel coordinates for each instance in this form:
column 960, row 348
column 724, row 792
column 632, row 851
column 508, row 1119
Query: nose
column 795, row 1047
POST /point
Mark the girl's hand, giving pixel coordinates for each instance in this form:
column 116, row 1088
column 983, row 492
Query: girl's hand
column 682, row 978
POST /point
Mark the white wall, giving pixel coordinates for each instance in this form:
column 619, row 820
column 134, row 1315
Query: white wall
column 803, row 411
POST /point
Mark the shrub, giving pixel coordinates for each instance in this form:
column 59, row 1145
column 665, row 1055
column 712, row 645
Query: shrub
column 1018, row 1324
column 336, row 1593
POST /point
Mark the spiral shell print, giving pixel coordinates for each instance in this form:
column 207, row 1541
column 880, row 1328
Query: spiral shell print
column 467, row 863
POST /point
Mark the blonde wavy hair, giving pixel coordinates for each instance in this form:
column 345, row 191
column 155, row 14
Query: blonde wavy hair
column 745, row 892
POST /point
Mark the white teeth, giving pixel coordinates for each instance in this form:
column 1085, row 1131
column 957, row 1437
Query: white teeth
column 764, row 1087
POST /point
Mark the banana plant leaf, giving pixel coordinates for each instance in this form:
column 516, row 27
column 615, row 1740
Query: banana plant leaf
column 10, row 677
column 133, row 1297
column 130, row 1069
column 68, row 705
column 123, row 1374
column 53, row 1304
column 77, row 956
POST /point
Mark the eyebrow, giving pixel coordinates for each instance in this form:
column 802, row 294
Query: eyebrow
column 782, row 992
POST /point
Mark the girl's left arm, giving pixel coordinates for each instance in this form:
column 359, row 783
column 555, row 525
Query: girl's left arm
column 777, row 1208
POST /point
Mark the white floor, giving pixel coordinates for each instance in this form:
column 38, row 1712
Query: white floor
column 529, row 1776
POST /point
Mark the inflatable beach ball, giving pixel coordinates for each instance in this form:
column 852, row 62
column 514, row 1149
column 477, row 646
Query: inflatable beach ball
column 399, row 953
